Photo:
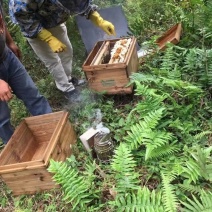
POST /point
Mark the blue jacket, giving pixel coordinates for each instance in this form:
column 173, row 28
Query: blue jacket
column 34, row 15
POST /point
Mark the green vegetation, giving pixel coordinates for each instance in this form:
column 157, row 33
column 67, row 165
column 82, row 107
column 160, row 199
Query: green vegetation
column 162, row 132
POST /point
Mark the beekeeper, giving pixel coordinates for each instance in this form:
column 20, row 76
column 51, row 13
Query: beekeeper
column 42, row 22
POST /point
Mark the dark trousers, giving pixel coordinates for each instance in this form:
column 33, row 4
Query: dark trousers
column 13, row 72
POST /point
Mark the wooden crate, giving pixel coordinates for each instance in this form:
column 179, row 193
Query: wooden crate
column 25, row 159
column 172, row 36
column 107, row 77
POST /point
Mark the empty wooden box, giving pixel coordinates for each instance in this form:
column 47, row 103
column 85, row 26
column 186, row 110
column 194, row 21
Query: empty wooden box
column 172, row 36
column 25, row 158
column 104, row 76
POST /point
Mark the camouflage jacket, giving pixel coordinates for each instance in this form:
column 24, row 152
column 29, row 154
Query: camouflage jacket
column 34, row 15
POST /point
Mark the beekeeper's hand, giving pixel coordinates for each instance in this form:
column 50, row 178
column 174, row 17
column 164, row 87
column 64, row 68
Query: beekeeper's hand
column 106, row 26
column 53, row 42
column 5, row 91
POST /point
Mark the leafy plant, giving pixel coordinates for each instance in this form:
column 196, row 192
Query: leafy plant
column 199, row 164
column 142, row 200
column 169, row 197
column 77, row 189
column 203, row 203
column 123, row 166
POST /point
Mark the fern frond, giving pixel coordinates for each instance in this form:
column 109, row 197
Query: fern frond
column 139, row 77
column 144, row 90
column 169, row 197
column 169, row 59
column 152, row 118
column 154, row 140
column 204, row 161
column 191, row 170
column 201, row 70
column 202, row 134
column 187, row 87
column 164, row 150
column 77, row 190
column 190, row 188
column 143, row 128
column 150, row 104
column 190, row 60
column 199, row 165
column 143, row 200
column 124, row 165
column 90, row 168
column 203, row 203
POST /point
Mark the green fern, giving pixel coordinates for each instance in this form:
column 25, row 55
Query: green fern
column 145, row 90
column 154, row 140
column 157, row 142
column 142, row 200
column 77, row 190
column 191, row 170
column 151, row 100
column 203, row 203
column 150, row 104
column 167, row 149
column 190, row 188
column 169, row 59
column 202, row 134
column 190, row 60
column 184, row 86
column 203, row 158
column 123, row 166
column 169, row 198
column 150, row 121
column 198, row 165
column 143, row 78
column 198, row 61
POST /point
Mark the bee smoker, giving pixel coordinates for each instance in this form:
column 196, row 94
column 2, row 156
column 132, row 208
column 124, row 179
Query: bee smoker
column 103, row 146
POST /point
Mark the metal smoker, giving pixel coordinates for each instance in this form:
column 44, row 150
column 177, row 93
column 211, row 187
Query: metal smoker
column 103, row 146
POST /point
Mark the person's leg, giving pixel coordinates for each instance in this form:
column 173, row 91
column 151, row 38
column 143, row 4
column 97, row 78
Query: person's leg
column 6, row 129
column 24, row 88
column 53, row 63
column 66, row 57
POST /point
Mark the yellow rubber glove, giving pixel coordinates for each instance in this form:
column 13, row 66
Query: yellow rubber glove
column 106, row 26
column 53, row 42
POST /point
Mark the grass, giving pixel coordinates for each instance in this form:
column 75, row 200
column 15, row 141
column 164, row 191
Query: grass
column 114, row 108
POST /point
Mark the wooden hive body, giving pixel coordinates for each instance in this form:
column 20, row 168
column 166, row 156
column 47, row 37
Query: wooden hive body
column 107, row 77
column 25, row 159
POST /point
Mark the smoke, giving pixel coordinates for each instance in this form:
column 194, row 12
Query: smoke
column 98, row 124
column 85, row 108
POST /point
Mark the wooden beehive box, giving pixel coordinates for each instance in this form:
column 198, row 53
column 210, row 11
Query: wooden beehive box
column 111, row 78
column 25, row 158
